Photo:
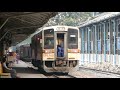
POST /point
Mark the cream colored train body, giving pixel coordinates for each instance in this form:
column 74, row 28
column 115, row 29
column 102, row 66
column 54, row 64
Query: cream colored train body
column 56, row 48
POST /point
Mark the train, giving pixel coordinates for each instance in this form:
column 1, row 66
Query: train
column 24, row 52
column 54, row 49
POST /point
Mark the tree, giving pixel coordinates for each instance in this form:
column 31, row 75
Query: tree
column 69, row 18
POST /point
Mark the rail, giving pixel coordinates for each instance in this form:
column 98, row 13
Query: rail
column 63, row 76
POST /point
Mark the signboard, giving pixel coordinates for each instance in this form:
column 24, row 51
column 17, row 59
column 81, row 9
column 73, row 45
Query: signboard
column 72, row 35
column 60, row 28
column 49, row 35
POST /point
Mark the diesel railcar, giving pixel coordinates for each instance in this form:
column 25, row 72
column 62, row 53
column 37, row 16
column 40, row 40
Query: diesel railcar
column 46, row 45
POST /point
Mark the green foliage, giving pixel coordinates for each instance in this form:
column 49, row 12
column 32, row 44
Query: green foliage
column 69, row 18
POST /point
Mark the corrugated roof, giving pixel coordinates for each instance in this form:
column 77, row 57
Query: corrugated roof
column 23, row 23
column 99, row 18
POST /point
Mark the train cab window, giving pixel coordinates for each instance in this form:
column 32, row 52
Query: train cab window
column 72, row 38
column 49, row 39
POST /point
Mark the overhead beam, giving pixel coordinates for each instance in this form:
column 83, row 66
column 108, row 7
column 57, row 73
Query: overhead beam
column 24, row 21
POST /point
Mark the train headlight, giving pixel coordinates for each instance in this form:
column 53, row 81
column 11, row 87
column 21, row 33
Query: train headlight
column 75, row 50
column 48, row 51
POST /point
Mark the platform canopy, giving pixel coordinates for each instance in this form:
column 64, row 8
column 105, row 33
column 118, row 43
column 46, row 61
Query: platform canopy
column 22, row 24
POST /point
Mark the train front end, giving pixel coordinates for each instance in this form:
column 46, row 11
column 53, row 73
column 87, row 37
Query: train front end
column 61, row 51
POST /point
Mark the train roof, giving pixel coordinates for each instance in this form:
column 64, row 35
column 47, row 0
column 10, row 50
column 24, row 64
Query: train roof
column 44, row 28
column 99, row 18
column 60, row 26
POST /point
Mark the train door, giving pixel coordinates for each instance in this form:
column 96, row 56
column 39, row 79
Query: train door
column 61, row 45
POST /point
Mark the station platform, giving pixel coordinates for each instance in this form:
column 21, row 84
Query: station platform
column 20, row 63
column 26, row 70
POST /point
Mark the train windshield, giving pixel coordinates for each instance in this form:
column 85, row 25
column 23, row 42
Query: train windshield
column 49, row 39
column 72, row 38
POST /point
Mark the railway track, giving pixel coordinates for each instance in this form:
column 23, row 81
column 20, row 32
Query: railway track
column 100, row 72
column 51, row 75
column 61, row 76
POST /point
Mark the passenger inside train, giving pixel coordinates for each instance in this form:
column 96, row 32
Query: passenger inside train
column 49, row 42
column 60, row 46
column 60, row 51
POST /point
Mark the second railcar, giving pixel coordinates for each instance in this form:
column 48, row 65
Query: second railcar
column 25, row 52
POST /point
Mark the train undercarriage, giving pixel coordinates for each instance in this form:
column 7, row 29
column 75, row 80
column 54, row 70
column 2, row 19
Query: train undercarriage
column 57, row 66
